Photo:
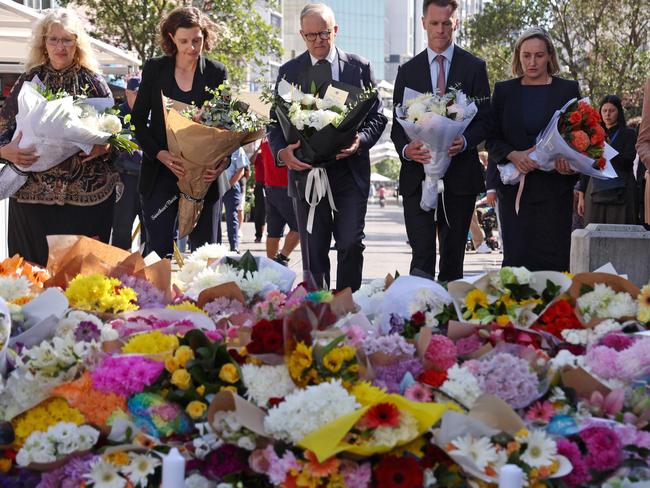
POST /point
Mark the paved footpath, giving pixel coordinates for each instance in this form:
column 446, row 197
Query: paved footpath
column 386, row 247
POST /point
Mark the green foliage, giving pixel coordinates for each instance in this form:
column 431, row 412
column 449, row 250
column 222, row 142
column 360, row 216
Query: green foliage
column 601, row 44
column 243, row 35
column 388, row 168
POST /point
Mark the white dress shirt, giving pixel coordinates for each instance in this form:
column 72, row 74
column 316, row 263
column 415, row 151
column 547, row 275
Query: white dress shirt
column 448, row 54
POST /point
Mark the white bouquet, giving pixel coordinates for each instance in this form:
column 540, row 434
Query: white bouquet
column 436, row 120
column 59, row 441
column 59, row 127
column 573, row 133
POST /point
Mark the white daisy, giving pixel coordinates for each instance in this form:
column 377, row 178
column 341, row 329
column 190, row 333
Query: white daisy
column 540, row 449
column 481, row 451
column 105, row 475
column 140, row 467
column 12, row 288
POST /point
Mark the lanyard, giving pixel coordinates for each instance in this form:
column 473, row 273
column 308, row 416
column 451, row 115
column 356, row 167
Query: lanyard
column 613, row 138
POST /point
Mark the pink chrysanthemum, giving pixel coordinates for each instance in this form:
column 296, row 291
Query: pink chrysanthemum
column 441, row 352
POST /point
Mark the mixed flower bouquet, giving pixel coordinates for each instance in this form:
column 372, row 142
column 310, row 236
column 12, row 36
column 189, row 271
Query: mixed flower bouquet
column 203, row 137
column 574, row 132
column 59, row 126
column 435, row 119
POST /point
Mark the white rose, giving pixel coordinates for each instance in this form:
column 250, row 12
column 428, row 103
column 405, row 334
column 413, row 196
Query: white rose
column 308, row 100
column 458, row 110
column 110, row 123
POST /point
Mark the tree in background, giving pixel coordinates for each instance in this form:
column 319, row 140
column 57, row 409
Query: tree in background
column 133, row 25
column 602, row 44
column 388, row 168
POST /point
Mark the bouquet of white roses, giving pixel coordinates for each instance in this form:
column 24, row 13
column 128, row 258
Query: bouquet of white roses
column 59, row 126
column 436, row 120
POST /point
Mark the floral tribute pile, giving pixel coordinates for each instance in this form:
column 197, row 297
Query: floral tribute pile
column 262, row 383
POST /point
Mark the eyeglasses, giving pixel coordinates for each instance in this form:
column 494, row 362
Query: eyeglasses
column 311, row 36
column 54, row 41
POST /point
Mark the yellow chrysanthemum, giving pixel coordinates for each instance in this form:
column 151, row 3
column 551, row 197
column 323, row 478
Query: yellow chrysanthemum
column 151, row 343
column 99, row 293
column 187, row 306
column 476, row 298
column 299, row 360
column 43, row 416
column 367, row 394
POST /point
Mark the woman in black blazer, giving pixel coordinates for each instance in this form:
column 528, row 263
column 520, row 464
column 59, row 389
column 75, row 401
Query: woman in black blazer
column 183, row 74
column 612, row 201
column 539, row 235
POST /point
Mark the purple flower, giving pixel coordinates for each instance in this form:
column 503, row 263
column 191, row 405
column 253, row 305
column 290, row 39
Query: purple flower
column 396, row 324
column 391, row 345
column 148, row 295
column 70, row 475
column 389, row 377
column 225, row 460
column 603, row 361
column 126, row 375
column 87, row 331
column 579, row 475
column 508, row 377
column 603, row 446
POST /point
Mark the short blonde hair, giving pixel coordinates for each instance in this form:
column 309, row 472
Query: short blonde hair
column 84, row 55
column 553, row 66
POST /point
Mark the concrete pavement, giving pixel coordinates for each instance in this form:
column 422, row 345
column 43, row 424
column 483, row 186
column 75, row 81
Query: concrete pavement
column 386, row 247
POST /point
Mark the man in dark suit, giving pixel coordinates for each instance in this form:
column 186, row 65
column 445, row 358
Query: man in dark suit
column 441, row 66
column 349, row 176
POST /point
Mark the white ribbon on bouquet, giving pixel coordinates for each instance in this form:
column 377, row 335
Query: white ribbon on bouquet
column 550, row 146
column 317, row 187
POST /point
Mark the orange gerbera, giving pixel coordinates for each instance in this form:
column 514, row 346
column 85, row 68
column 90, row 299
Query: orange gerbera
column 321, row 470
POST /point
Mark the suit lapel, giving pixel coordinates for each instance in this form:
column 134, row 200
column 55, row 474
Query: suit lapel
column 454, row 78
column 347, row 71
column 423, row 82
column 304, row 63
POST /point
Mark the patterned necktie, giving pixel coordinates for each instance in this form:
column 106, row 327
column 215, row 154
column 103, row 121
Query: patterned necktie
column 440, row 84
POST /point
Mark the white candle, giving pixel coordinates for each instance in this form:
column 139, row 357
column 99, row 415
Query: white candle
column 511, row 476
column 173, row 471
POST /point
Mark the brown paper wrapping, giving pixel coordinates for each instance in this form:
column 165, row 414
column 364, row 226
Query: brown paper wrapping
column 582, row 382
column 496, row 413
column 615, row 282
column 200, row 147
column 342, row 303
column 248, row 415
column 228, row 290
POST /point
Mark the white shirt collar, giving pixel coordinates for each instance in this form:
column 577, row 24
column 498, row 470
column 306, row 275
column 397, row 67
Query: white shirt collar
column 332, row 56
column 447, row 53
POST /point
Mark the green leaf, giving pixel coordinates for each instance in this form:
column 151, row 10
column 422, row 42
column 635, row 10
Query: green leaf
column 584, row 289
column 312, row 88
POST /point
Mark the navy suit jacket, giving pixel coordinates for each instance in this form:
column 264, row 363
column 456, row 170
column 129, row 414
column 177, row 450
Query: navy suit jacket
column 465, row 175
column 507, row 134
column 353, row 70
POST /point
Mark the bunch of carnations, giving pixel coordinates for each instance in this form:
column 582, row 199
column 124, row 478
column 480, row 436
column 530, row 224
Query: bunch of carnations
column 603, row 302
column 557, row 318
column 267, row 337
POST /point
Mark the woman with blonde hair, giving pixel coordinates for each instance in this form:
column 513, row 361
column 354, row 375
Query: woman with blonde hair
column 182, row 74
column 77, row 195
column 539, row 235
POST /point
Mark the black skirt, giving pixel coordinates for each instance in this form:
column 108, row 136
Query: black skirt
column 31, row 223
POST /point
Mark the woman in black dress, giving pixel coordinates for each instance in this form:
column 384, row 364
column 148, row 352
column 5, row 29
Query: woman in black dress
column 539, row 235
column 612, row 201
column 182, row 74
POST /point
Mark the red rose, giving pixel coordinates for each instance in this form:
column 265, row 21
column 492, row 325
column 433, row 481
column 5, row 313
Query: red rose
column 598, row 137
column 580, row 140
column 273, row 342
column 398, row 472
column 418, row 318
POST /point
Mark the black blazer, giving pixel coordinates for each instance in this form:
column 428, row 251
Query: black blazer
column 507, row 134
column 465, row 175
column 148, row 117
column 353, row 70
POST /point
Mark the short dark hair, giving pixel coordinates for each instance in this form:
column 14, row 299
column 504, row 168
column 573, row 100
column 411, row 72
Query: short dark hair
column 614, row 100
column 440, row 3
column 186, row 18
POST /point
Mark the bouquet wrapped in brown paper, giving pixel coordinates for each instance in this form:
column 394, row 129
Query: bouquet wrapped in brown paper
column 223, row 125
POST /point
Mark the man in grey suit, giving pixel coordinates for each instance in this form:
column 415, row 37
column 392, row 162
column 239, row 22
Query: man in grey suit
column 349, row 176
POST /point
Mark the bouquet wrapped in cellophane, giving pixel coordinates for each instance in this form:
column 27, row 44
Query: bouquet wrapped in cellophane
column 59, row 126
column 222, row 125
column 436, row 120
column 574, row 133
